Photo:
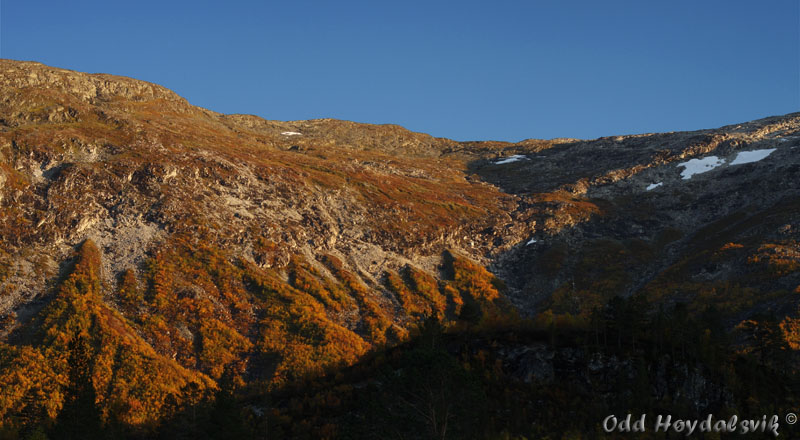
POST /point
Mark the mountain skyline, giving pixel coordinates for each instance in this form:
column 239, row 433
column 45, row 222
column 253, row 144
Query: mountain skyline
column 167, row 271
column 473, row 72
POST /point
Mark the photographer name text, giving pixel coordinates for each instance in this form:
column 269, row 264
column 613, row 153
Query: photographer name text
column 667, row 423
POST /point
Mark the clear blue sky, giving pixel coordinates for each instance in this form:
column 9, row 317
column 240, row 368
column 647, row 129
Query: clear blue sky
column 501, row 70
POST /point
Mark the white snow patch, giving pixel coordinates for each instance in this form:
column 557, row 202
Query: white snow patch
column 699, row 166
column 653, row 186
column 510, row 159
column 531, row 241
column 292, row 133
column 783, row 140
column 751, row 156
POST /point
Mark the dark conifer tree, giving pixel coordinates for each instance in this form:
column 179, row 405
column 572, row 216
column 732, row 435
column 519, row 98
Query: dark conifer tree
column 79, row 417
column 226, row 420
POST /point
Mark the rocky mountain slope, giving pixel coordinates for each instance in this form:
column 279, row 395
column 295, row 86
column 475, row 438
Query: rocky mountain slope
column 209, row 244
column 666, row 215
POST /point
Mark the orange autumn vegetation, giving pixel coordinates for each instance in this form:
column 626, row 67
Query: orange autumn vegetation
column 417, row 292
column 131, row 379
column 296, row 331
column 305, row 277
column 791, row 332
column 470, row 292
column 376, row 321
column 780, row 258
column 166, row 336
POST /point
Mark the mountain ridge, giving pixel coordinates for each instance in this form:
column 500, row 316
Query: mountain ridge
column 276, row 252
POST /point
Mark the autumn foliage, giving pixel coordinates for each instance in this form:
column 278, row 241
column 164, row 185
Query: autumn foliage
column 130, row 379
